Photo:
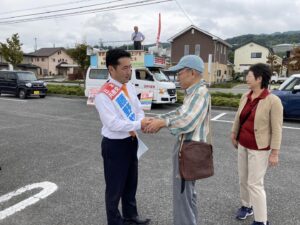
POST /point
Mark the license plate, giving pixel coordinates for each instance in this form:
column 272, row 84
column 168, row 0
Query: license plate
column 36, row 92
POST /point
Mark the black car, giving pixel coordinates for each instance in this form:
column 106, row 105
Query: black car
column 21, row 84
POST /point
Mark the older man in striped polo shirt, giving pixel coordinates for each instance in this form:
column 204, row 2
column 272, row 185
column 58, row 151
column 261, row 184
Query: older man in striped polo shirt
column 192, row 121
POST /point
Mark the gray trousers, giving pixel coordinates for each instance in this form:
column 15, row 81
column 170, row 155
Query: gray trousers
column 184, row 204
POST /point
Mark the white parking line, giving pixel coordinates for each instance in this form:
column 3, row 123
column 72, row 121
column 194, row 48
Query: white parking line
column 14, row 100
column 218, row 116
column 47, row 189
column 285, row 127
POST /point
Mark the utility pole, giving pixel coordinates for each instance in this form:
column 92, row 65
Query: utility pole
column 35, row 44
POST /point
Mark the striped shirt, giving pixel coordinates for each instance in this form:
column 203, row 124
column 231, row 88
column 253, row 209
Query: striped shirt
column 192, row 117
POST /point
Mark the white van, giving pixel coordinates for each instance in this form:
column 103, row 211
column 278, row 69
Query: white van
column 95, row 78
column 163, row 90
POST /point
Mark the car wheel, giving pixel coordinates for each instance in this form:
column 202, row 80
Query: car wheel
column 22, row 94
column 42, row 96
column 273, row 82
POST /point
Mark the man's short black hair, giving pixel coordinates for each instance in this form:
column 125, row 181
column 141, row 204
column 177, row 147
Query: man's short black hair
column 262, row 70
column 113, row 56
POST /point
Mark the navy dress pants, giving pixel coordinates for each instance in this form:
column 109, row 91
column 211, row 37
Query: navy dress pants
column 121, row 177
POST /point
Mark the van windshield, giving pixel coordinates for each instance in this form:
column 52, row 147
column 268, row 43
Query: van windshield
column 160, row 76
column 27, row 76
column 98, row 74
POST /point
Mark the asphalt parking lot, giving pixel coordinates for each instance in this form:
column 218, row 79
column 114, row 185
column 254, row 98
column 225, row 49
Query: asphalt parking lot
column 52, row 146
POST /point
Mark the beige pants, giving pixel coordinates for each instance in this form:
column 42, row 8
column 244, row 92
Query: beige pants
column 252, row 166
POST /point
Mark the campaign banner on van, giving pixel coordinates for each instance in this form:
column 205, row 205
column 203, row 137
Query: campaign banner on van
column 146, row 100
column 92, row 94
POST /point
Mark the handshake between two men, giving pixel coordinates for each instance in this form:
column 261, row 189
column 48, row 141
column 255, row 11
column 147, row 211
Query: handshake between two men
column 152, row 125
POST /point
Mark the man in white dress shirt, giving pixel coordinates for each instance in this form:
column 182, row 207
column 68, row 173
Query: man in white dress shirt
column 121, row 115
column 137, row 38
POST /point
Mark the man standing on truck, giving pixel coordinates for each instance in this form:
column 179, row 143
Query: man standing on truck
column 121, row 115
column 137, row 38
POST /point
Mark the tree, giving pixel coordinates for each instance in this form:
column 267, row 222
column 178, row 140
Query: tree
column 294, row 61
column 80, row 57
column 11, row 51
column 271, row 59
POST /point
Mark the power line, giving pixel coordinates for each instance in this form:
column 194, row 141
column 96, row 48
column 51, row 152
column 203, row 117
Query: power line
column 184, row 12
column 61, row 10
column 103, row 9
column 45, row 6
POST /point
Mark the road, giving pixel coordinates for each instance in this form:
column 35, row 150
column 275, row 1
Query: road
column 56, row 140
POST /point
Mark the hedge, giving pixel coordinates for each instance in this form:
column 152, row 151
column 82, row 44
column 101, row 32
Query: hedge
column 65, row 90
column 218, row 99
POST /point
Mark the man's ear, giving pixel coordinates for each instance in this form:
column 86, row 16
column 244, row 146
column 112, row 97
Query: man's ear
column 110, row 69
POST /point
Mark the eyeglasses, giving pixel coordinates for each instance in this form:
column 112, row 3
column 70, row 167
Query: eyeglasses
column 182, row 71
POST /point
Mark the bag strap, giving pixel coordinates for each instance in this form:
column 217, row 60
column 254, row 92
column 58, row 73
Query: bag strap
column 209, row 139
column 246, row 118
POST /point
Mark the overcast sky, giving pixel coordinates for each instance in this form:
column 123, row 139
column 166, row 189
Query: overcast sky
column 225, row 19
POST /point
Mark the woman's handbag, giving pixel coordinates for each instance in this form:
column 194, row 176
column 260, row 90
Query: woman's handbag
column 196, row 158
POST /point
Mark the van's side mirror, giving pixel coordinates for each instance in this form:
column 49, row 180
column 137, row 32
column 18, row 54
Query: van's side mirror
column 296, row 89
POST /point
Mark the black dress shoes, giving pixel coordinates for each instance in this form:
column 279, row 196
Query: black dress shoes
column 136, row 220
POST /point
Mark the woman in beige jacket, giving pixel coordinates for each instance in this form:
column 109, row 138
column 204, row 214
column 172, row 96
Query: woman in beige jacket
column 256, row 133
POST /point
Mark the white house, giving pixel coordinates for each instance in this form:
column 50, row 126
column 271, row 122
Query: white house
column 248, row 54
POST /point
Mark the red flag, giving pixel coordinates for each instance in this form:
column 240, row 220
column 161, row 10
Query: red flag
column 158, row 33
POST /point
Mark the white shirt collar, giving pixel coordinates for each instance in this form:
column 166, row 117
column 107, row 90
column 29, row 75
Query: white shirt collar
column 115, row 82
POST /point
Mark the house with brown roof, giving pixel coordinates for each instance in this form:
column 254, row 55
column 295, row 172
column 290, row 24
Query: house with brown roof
column 25, row 65
column 212, row 49
column 53, row 61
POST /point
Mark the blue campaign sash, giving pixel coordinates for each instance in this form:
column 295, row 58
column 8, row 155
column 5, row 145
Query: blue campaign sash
column 119, row 99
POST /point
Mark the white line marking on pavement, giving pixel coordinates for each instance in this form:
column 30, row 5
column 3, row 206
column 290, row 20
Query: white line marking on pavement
column 14, row 100
column 227, row 121
column 223, row 121
column 47, row 189
column 292, row 128
column 218, row 116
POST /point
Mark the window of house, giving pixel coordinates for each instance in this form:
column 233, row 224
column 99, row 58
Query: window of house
column 37, row 59
column 225, row 50
column 53, row 60
column 31, row 59
column 42, row 59
column 255, row 54
column 221, row 49
column 197, row 49
column 186, row 49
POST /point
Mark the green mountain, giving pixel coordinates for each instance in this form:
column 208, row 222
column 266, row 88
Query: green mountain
column 289, row 37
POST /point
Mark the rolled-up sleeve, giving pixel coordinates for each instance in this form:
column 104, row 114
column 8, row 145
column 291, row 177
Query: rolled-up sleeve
column 189, row 115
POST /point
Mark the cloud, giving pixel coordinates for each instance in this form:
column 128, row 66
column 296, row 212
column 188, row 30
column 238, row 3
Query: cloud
column 227, row 18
